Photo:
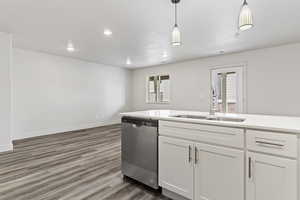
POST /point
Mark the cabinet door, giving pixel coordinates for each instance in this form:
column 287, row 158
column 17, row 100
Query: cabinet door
column 219, row 173
column 271, row 177
column 176, row 166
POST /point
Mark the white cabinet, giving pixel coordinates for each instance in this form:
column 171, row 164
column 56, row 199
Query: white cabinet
column 225, row 136
column 201, row 171
column 219, row 173
column 176, row 167
column 271, row 177
column 281, row 144
column 207, row 162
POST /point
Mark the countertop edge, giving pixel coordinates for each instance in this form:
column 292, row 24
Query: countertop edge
column 215, row 123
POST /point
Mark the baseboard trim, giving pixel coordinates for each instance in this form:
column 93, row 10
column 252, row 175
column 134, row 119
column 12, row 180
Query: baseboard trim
column 8, row 147
column 50, row 131
column 172, row 195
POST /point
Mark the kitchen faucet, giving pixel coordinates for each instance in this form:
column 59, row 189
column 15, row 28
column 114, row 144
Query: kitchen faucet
column 214, row 103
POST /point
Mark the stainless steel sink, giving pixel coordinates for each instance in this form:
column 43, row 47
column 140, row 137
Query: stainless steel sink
column 211, row 118
column 226, row 119
column 190, row 116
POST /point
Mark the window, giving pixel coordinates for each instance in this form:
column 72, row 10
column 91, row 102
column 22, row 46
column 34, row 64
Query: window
column 158, row 89
column 228, row 86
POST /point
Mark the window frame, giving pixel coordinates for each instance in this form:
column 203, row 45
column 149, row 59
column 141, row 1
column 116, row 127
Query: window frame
column 241, row 71
column 157, row 89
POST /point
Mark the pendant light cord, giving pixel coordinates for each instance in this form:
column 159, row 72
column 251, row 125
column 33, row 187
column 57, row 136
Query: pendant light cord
column 176, row 14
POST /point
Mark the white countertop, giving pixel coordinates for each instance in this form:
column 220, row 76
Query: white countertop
column 263, row 122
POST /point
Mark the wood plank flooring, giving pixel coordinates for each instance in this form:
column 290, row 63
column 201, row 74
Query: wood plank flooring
column 82, row 165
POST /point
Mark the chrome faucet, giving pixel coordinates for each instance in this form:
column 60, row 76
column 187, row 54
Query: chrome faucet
column 214, row 103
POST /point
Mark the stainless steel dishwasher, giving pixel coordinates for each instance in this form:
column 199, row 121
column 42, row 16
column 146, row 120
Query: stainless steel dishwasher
column 140, row 150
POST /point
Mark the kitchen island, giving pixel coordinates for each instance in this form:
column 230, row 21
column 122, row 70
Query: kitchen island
column 227, row 156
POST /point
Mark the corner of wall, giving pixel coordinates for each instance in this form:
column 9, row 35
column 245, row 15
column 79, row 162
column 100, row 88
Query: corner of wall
column 6, row 113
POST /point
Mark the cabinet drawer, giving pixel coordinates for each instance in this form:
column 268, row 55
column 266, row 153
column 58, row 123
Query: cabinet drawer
column 274, row 143
column 233, row 137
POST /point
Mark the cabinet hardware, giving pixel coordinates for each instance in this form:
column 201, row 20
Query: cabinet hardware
column 196, row 155
column 190, row 153
column 249, row 166
column 269, row 144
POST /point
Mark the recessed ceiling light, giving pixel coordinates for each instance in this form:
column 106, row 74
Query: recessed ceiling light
column 107, row 32
column 128, row 61
column 70, row 47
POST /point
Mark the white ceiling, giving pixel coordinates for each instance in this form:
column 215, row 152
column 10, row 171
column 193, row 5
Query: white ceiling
column 141, row 28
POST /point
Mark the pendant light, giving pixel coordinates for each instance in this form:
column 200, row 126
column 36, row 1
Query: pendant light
column 246, row 18
column 176, row 35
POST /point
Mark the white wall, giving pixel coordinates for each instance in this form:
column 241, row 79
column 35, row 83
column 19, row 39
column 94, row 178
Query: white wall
column 55, row 94
column 273, row 80
column 5, row 94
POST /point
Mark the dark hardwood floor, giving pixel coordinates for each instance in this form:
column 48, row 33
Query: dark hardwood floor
column 81, row 165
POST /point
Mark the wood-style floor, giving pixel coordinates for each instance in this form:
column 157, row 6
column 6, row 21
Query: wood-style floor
column 82, row 165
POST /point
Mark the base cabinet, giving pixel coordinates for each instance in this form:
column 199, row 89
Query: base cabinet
column 176, row 168
column 209, row 163
column 219, row 173
column 200, row 171
column 271, row 177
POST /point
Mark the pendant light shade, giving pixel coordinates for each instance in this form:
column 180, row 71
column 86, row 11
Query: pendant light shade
column 246, row 18
column 176, row 35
